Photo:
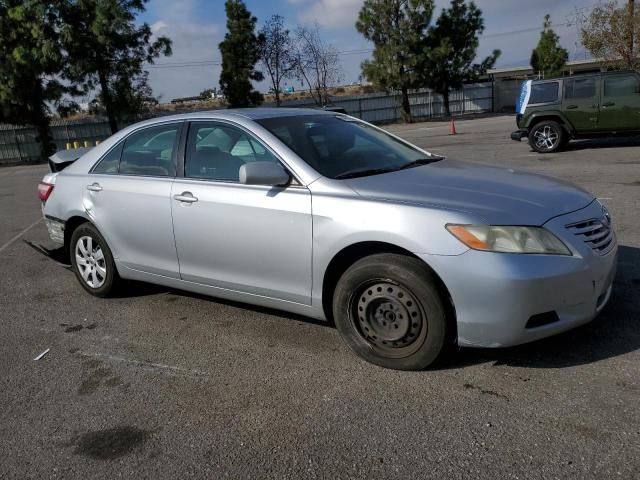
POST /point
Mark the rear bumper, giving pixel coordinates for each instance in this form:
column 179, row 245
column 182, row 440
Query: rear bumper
column 518, row 134
column 55, row 227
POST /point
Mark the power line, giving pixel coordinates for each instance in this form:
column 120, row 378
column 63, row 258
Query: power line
column 214, row 63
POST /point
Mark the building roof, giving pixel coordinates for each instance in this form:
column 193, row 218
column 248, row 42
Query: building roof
column 574, row 66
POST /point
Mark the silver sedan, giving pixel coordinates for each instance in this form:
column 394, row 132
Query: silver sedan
column 324, row 215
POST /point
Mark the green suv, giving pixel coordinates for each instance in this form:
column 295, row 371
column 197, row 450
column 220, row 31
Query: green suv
column 552, row 112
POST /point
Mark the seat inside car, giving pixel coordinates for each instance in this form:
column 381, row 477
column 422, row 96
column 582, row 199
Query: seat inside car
column 210, row 162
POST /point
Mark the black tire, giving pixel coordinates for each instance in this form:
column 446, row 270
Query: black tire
column 388, row 310
column 547, row 137
column 95, row 264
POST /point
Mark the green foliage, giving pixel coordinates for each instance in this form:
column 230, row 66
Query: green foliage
column 409, row 53
column 548, row 58
column 450, row 47
column 30, row 59
column 107, row 50
column 396, row 28
column 208, row 93
column 611, row 32
column 240, row 51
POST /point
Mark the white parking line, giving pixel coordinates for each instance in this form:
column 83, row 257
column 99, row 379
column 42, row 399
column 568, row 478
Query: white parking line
column 20, row 234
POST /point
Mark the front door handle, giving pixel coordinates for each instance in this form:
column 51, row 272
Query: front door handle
column 608, row 104
column 571, row 107
column 186, row 197
column 94, row 187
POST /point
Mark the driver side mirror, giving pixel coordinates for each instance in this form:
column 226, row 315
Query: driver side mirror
column 263, row 173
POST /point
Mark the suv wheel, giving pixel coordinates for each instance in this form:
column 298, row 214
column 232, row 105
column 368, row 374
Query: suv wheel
column 547, row 137
column 388, row 310
column 92, row 261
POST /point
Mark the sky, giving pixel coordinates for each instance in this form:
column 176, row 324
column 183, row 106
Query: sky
column 197, row 27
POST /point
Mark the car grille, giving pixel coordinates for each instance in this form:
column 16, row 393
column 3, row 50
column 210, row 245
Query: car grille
column 597, row 233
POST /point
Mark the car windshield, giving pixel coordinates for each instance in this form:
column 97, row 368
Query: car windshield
column 342, row 147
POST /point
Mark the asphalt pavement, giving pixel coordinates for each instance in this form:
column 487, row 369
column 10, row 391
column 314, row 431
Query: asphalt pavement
column 160, row 383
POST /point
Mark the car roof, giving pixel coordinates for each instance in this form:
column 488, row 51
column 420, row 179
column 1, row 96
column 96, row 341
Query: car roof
column 229, row 113
column 267, row 112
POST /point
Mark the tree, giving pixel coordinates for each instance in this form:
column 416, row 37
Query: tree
column 108, row 50
column 209, row 93
column 449, row 50
column 30, row 64
column 396, row 28
column 276, row 53
column 131, row 96
column 611, row 33
column 317, row 63
column 240, row 51
column 548, row 58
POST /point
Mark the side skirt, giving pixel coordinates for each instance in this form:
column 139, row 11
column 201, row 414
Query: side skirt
column 223, row 293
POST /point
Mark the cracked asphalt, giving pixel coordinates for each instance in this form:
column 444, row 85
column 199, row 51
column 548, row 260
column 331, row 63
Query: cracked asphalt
column 160, row 383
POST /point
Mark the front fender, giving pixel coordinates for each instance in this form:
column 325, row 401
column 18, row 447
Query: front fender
column 555, row 115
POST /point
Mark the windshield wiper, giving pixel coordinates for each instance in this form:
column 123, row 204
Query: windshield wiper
column 422, row 161
column 363, row 173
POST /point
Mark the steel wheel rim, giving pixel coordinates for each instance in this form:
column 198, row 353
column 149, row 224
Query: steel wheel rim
column 546, row 138
column 90, row 262
column 388, row 318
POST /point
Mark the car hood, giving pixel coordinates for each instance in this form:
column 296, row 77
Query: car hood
column 501, row 196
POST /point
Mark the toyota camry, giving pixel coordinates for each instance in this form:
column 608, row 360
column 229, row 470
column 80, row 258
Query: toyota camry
column 327, row 216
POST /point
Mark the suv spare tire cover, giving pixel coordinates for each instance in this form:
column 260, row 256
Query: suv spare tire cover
column 523, row 96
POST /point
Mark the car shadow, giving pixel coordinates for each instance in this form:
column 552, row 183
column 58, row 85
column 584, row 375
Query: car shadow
column 608, row 142
column 132, row 288
column 614, row 332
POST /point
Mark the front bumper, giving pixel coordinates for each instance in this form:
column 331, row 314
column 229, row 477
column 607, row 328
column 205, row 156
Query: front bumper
column 500, row 298
column 519, row 134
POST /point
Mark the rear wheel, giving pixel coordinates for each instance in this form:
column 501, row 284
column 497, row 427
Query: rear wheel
column 547, row 137
column 388, row 310
column 92, row 261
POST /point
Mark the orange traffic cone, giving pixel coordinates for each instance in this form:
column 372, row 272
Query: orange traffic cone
column 452, row 127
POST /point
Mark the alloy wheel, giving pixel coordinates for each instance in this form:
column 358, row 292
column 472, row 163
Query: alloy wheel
column 546, row 138
column 90, row 262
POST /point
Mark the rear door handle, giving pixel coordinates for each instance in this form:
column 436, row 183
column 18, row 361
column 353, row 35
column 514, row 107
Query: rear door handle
column 608, row 104
column 571, row 107
column 94, row 187
column 186, row 197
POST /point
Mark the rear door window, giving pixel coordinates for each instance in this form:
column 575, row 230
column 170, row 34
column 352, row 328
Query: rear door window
column 110, row 163
column 149, row 152
column 546, row 92
column 621, row 86
column 577, row 88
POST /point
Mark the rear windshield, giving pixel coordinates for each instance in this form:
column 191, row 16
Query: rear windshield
column 544, row 92
column 342, row 147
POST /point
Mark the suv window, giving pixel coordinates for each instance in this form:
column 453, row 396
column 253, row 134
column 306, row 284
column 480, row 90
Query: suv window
column 620, row 86
column 580, row 88
column 216, row 151
column 111, row 161
column 149, row 152
column 544, row 92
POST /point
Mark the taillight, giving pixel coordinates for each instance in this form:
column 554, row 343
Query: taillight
column 44, row 190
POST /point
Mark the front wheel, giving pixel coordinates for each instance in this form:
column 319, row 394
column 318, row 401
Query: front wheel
column 92, row 261
column 547, row 137
column 388, row 310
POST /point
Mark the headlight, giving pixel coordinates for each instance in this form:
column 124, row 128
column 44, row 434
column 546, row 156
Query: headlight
column 496, row 238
